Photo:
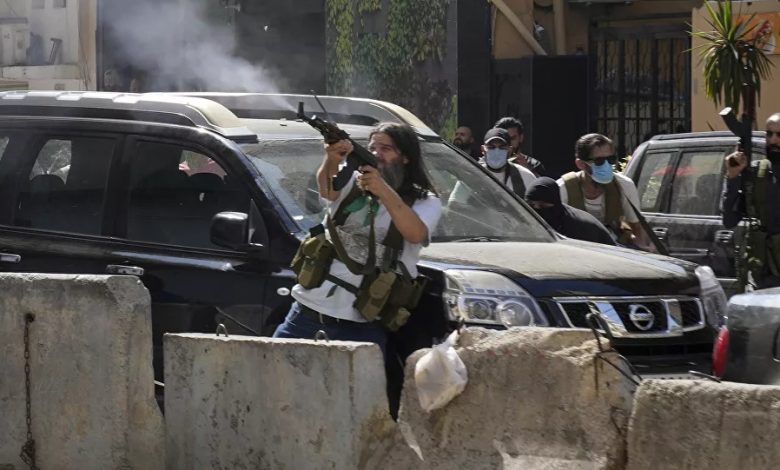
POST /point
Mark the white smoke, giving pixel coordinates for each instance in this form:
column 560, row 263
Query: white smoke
column 179, row 48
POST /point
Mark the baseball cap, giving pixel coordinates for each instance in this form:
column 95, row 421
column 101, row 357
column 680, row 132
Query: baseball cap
column 497, row 133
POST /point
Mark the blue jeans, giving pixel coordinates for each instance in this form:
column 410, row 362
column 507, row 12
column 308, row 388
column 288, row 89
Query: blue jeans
column 297, row 325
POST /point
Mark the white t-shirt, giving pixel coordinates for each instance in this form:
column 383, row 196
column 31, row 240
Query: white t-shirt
column 527, row 175
column 596, row 207
column 334, row 301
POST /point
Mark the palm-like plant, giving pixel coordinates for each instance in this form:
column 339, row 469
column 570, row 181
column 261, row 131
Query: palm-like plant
column 734, row 64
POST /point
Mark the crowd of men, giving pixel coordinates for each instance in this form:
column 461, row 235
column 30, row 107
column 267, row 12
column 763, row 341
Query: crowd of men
column 594, row 203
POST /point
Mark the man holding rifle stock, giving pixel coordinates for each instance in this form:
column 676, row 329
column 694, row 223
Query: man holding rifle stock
column 357, row 274
column 761, row 259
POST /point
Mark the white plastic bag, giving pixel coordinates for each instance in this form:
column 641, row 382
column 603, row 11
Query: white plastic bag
column 440, row 375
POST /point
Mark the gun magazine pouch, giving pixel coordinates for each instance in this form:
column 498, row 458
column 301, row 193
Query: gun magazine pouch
column 312, row 261
column 389, row 297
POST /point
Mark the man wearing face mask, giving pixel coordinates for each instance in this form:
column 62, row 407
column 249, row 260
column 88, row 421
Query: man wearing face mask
column 606, row 195
column 496, row 152
column 545, row 197
column 764, row 206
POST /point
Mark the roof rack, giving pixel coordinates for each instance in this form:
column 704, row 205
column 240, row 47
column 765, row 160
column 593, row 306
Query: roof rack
column 703, row 135
column 342, row 110
column 163, row 108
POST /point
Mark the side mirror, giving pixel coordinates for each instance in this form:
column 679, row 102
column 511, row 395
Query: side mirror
column 231, row 230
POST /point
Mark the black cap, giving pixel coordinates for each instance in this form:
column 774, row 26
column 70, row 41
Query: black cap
column 497, row 133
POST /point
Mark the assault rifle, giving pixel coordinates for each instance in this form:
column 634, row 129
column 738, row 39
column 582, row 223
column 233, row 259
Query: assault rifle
column 332, row 133
column 743, row 130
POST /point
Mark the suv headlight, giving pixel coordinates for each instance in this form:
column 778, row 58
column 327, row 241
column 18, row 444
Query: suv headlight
column 712, row 296
column 489, row 298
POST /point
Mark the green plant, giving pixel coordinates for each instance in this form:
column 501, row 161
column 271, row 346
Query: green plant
column 396, row 60
column 734, row 64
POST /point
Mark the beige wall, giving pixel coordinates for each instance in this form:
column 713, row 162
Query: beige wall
column 705, row 113
column 87, row 31
column 508, row 44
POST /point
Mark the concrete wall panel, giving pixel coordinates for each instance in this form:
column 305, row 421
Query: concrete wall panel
column 249, row 402
column 92, row 391
column 536, row 398
column 680, row 424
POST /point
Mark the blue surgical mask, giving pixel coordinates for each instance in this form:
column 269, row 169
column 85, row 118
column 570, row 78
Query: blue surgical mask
column 496, row 158
column 603, row 173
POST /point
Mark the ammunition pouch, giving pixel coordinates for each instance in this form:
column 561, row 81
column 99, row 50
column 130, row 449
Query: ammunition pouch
column 312, row 261
column 763, row 255
column 389, row 297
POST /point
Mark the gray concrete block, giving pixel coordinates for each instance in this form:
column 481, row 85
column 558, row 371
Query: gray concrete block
column 266, row 403
column 681, row 424
column 536, row 398
column 92, row 389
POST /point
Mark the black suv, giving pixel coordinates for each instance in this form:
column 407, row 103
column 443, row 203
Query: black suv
column 207, row 205
column 680, row 178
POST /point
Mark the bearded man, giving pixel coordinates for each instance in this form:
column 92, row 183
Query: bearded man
column 763, row 206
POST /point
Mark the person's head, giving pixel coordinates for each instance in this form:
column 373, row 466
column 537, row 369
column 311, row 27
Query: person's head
column 595, row 155
column 515, row 129
column 463, row 138
column 544, row 196
column 496, row 149
column 397, row 150
column 773, row 139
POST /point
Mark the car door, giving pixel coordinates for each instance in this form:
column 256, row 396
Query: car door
column 53, row 185
column 167, row 198
column 693, row 220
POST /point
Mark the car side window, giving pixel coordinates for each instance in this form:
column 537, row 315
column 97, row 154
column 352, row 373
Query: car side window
column 697, row 183
column 175, row 192
column 655, row 168
column 65, row 188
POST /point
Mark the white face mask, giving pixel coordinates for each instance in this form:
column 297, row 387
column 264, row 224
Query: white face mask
column 496, row 158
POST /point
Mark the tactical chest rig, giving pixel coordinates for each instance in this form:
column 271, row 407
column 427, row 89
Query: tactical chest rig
column 763, row 255
column 385, row 294
column 613, row 216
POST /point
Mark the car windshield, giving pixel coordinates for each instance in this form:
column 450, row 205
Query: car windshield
column 474, row 206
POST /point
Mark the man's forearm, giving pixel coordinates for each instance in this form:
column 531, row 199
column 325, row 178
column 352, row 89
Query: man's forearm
column 325, row 173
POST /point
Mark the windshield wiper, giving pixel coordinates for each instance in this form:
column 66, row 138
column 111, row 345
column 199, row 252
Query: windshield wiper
column 478, row 239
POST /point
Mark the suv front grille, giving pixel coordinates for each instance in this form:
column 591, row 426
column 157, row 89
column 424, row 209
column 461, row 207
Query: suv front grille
column 635, row 316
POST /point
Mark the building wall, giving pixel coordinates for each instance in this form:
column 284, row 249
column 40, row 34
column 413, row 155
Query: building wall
column 508, row 44
column 87, row 31
column 705, row 113
column 55, row 22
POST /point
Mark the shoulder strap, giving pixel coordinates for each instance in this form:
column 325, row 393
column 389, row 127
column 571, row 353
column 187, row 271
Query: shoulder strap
column 393, row 241
column 613, row 203
column 572, row 182
column 340, row 216
column 757, row 208
column 518, row 185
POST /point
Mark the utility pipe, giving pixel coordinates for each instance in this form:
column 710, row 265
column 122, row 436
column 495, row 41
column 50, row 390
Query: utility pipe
column 560, row 27
column 519, row 26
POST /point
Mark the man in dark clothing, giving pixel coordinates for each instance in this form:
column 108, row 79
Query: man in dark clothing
column 545, row 197
column 761, row 265
column 464, row 140
column 515, row 129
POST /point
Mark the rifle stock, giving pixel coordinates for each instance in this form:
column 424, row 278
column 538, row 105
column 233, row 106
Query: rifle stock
column 332, row 133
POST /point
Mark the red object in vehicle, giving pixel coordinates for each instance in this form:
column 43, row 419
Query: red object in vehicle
column 720, row 352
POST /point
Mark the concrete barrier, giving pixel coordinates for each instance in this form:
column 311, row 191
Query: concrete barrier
column 697, row 424
column 92, row 391
column 249, row 402
column 536, row 399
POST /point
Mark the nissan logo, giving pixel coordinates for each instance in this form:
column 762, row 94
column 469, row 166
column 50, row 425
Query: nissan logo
column 641, row 317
